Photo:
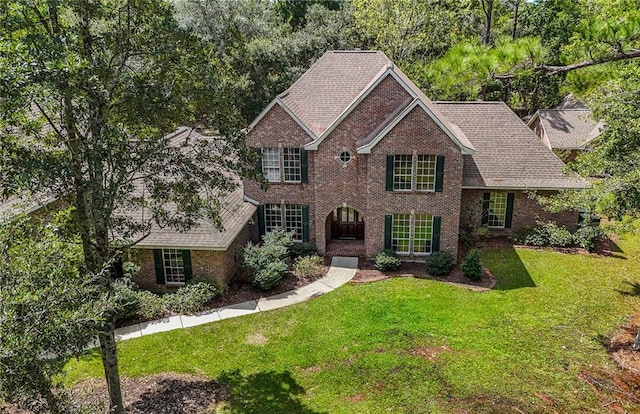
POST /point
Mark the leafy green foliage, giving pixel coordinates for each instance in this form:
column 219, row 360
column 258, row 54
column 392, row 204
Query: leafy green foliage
column 471, row 235
column 387, row 260
column 586, row 237
column 190, row 298
column 302, row 249
column 471, row 266
column 440, row 263
column 48, row 311
column 270, row 261
column 151, row 305
column 307, row 266
column 545, row 234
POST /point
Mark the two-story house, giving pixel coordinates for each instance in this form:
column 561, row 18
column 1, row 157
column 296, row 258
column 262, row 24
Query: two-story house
column 355, row 150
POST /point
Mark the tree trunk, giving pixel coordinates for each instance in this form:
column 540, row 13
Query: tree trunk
column 516, row 6
column 487, row 8
column 110, row 363
column 636, row 342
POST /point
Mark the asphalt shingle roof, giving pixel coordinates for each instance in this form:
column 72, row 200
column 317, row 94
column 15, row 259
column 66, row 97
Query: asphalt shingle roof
column 569, row 128
column 507, row 153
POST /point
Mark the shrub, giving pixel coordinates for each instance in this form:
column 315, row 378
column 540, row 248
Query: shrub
column 125, row 298
column 302, row 249
column 269, row 262
column 557, row 236
column 387, row 260
column 307, row 266
column 470, row 236
column 151, row 305
column 190, row 298
column 440, row 263
column 586, row 237
column 471, row 266
column 545, row 234
column 271, row 275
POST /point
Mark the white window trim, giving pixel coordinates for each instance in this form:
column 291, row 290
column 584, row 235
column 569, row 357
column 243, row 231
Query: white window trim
column 283, row 208
column 412, row 224
column 281, row 167
column 164, row 268
column 504, row 215
column 414, row 174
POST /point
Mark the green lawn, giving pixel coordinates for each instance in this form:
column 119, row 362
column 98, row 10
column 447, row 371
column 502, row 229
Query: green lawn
column 411, row 345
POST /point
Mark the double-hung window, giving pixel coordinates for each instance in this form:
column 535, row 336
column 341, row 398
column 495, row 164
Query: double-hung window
column 173, row 266
column 414, row 173
column 284, row 165
column 497, row 209
column 412, row 233
column 288, row 217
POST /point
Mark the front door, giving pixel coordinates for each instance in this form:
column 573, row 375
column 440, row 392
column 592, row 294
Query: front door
column 347, row 224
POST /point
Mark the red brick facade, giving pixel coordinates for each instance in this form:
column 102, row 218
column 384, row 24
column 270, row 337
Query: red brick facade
column 217, row 266
column 526, row 211
column 360, row 184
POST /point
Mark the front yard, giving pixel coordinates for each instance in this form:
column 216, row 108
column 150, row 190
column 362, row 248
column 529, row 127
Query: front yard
column 401, row 345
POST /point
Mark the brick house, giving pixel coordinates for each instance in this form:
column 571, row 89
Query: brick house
column 355, row 150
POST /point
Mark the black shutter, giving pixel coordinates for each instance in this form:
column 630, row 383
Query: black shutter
column 186, row 262
column 435, row 235
column 509, row 213
column 261, row 224
column 389, row 181
column 439, row 172
column 259, row 161
column 304, row 166
column 486, row 203
column 388, row 219
column 305, row 223
column 159, row 264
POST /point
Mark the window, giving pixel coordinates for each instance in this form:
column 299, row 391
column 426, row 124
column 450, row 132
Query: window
column 411, row 233
column 344, row 157
column 291, row 162
column 271, row 164
column 415, row 172
column 173, row 263
column 283, row 164
column 497, row 209
column 426, row 173
column 289, row 214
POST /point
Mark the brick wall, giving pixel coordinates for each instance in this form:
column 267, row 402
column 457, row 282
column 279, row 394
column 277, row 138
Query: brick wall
column 525, row 212
column 361, row 183
column 217, row 266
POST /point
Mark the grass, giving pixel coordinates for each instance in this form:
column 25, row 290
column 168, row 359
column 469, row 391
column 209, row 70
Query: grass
column 413, row 345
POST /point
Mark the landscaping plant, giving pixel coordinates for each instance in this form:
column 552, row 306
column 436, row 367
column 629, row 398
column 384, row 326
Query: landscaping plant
column 190, row 298
column 387, row 260
column 270, row 261
column 439, row 263
column 471, row 266
column 307, row 266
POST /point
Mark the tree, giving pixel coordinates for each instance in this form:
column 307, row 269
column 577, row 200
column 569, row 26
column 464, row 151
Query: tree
column 46, row 314
column 88, row 93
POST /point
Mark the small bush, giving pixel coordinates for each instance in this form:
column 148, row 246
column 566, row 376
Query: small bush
column 471, row 266
column 545, row 234
column 302, row 249
column 387, row 260
column 558, row 236
column 586, row 237
column 470, row 236
column 151, row 305
column 307, row 266
column 268, row 263
column 271, row 275
column 125, row 298
column 439, row 263
column 190, row 298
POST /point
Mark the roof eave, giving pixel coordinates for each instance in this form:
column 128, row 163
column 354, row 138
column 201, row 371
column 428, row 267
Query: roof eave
column 278, row 101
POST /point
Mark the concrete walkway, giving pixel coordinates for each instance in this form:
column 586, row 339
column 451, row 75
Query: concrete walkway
column 342, row 270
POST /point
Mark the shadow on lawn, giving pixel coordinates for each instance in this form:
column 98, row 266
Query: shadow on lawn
column 634, row 289
column 264, row 392
column 509, row 271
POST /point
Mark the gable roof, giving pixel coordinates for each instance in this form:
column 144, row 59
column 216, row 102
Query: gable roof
column 508, row 154
column 337, row 82
column 568, row 128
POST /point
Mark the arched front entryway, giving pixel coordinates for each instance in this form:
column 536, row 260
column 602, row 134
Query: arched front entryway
column 345, row 223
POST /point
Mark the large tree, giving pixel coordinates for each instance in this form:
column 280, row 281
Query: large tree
column 89, row 91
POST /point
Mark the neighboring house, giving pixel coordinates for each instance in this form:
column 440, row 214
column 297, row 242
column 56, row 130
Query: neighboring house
column 354, row 150
column 567, row 130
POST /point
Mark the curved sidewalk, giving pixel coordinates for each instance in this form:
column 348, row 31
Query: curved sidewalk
column 342, row 270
